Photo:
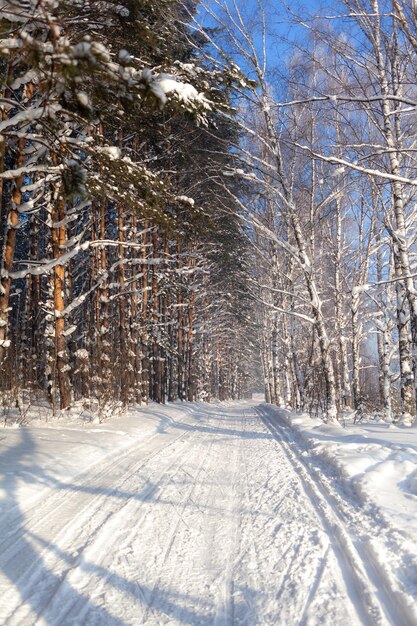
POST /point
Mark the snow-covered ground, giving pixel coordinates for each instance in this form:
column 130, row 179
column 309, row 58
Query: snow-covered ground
column 208, row 514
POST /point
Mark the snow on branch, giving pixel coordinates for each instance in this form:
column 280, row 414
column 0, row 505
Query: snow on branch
column 358, row 168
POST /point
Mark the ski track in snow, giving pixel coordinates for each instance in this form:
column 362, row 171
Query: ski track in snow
column 351, row 530
column 222, row 523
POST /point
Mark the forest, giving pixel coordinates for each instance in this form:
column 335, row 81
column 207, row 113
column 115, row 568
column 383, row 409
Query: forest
column 202, row 200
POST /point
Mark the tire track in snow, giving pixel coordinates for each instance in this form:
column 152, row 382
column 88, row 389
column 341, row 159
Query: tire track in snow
column 184, row 550
column 379, row 607
column 44, row 504
column 248, row 498
column 89, row 520
column 18, row 509
column 173, row 536
column 281, row 548
column 225, row 609
column 106, row 542
column 198, row 567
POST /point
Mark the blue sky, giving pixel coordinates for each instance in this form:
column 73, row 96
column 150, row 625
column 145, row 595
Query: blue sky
column 281, row 25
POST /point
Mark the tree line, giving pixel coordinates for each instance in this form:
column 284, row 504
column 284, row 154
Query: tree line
column 328, row 118
column 121, row 262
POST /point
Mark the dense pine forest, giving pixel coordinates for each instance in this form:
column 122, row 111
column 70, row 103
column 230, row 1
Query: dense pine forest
column 198, row 202
column 120, row 257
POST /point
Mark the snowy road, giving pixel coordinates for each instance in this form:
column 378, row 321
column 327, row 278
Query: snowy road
column 212, row 518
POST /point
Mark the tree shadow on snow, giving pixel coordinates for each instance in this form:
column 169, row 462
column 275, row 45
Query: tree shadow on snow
column 20, row 562
column 184, row 608
column 37, row 569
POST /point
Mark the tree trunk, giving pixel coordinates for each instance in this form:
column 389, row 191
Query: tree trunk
column 356, row 391
column 12, row 225
column 61, row 355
